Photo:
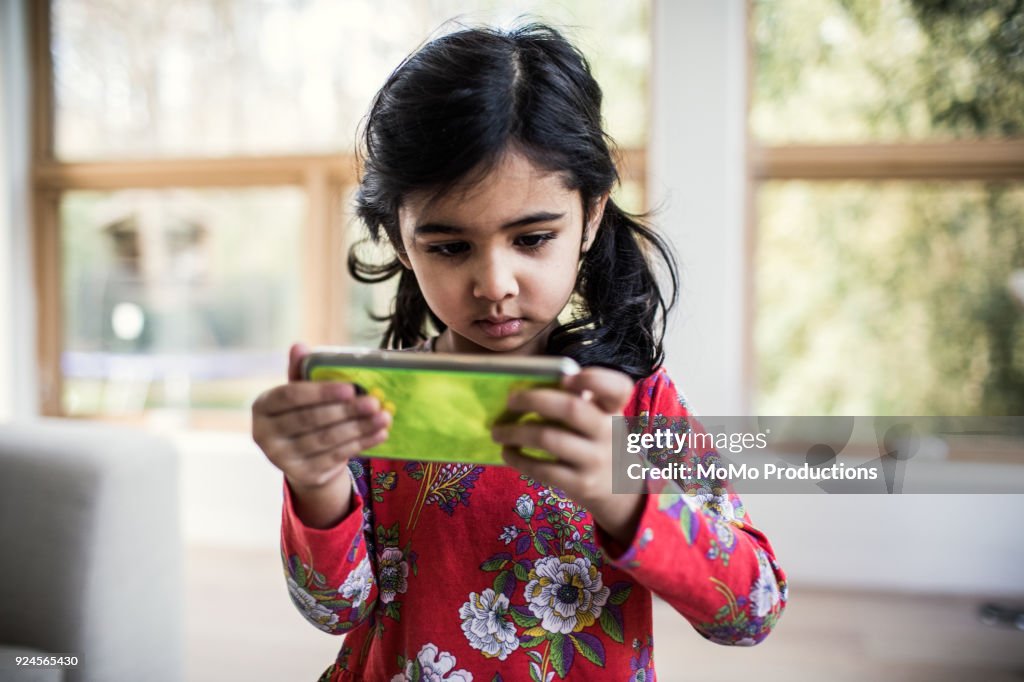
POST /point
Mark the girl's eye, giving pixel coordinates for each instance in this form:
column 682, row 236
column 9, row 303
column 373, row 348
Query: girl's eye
column 535, row 241
column 448, row 249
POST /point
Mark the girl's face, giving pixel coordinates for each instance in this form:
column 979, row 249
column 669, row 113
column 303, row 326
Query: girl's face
column 497, row 259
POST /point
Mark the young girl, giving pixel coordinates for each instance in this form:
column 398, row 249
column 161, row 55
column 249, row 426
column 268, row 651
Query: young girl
column 487, row 170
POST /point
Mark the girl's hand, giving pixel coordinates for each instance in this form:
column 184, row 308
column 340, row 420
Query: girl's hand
column 581, row 439
column 309, row 430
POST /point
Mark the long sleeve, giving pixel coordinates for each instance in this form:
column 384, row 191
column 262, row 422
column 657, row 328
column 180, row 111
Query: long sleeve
column 330, row 571
column 698, row 549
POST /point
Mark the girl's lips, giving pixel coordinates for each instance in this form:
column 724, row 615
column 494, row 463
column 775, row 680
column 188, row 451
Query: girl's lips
column 498, row 330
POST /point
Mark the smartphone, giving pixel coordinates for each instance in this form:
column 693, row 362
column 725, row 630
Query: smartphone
column 442, row 405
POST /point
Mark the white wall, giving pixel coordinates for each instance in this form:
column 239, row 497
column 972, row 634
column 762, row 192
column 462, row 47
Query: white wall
column 945, row 543
column 17, row 326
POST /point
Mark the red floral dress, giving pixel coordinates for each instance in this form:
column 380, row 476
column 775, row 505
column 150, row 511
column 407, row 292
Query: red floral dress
column 463, row 572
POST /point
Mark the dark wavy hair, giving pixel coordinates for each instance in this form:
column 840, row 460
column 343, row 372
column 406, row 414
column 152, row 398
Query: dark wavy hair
column 446, row 115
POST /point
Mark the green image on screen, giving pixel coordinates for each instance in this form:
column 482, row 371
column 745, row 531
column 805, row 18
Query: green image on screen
column 438, row 415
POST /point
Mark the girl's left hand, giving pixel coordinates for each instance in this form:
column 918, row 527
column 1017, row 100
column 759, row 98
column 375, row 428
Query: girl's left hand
column 581, row 440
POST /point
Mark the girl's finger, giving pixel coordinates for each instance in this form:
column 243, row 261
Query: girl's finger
column 553, row 474
column 570, row 448
column 610, row 389
column 295, row 355
column 301, row 394
column 560, row 406
column 322, row 463
column 308, row 419
column 337, row 435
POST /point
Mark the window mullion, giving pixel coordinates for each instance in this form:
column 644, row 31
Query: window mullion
column 959, row 160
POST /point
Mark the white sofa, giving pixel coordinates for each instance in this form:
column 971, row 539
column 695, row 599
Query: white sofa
column 91, row 558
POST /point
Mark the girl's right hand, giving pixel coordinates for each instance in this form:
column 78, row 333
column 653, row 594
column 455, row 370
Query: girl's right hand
column 309, row 430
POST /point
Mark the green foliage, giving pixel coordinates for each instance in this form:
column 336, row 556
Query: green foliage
column 889, row 298
column 984, row 39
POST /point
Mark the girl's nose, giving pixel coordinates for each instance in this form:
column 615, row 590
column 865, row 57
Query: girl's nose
column 494, row 280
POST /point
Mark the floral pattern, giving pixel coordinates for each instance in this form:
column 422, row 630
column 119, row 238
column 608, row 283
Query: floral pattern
column 318, row 615
column 746, row 620
column 394, row 571
column 330, row 610
column 509, row 534
column 565, row 593
column 486, row 626
column 432, row 665
column 525, row 507
column 444, row 485
column 722, row 541
column 765, row 594
column 358, row 583
column 641, row 665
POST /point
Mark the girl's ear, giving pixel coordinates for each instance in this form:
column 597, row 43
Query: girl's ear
column 403, row 258
column 593, row 221
column 400, row 252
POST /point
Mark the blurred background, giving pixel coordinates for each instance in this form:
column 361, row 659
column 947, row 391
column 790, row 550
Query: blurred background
column 843, row 181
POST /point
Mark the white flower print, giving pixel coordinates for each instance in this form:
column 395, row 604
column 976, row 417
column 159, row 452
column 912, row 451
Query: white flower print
column 394, row 571
column 358, row 583
column 765, row 593
column 566, row 593
column 485, row 624
column 724, row 534
column 508, row 534
column 525, row 507
column 720, row 505
column 432, row 665
column 315, row 613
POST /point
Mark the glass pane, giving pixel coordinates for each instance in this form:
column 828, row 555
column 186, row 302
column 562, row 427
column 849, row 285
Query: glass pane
column 178, row 299
column 223, row 77
column 890, row 299
column 886, row 70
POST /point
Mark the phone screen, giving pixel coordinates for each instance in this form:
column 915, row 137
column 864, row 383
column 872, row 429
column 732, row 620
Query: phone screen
column 442, row 407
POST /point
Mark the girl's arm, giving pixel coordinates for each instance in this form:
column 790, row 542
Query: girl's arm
column 330, row 570
column 322, row 506
column 310, row 431
column 700, row 552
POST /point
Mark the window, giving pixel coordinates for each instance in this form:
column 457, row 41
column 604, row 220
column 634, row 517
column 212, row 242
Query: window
column 888, row 157
column 193, row 172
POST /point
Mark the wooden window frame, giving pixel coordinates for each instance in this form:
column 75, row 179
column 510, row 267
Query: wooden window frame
column 325, row 178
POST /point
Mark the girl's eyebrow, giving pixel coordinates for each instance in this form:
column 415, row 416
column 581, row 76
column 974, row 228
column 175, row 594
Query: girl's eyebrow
column 442, row 228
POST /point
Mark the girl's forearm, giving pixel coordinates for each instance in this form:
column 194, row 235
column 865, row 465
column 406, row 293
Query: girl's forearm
column 619, row 515
column 326, row 505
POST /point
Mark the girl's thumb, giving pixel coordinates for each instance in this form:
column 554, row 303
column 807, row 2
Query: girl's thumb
column 295, row 355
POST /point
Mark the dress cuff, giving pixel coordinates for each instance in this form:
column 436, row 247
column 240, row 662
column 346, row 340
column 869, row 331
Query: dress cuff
column 347, row 526
column 623, row 556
